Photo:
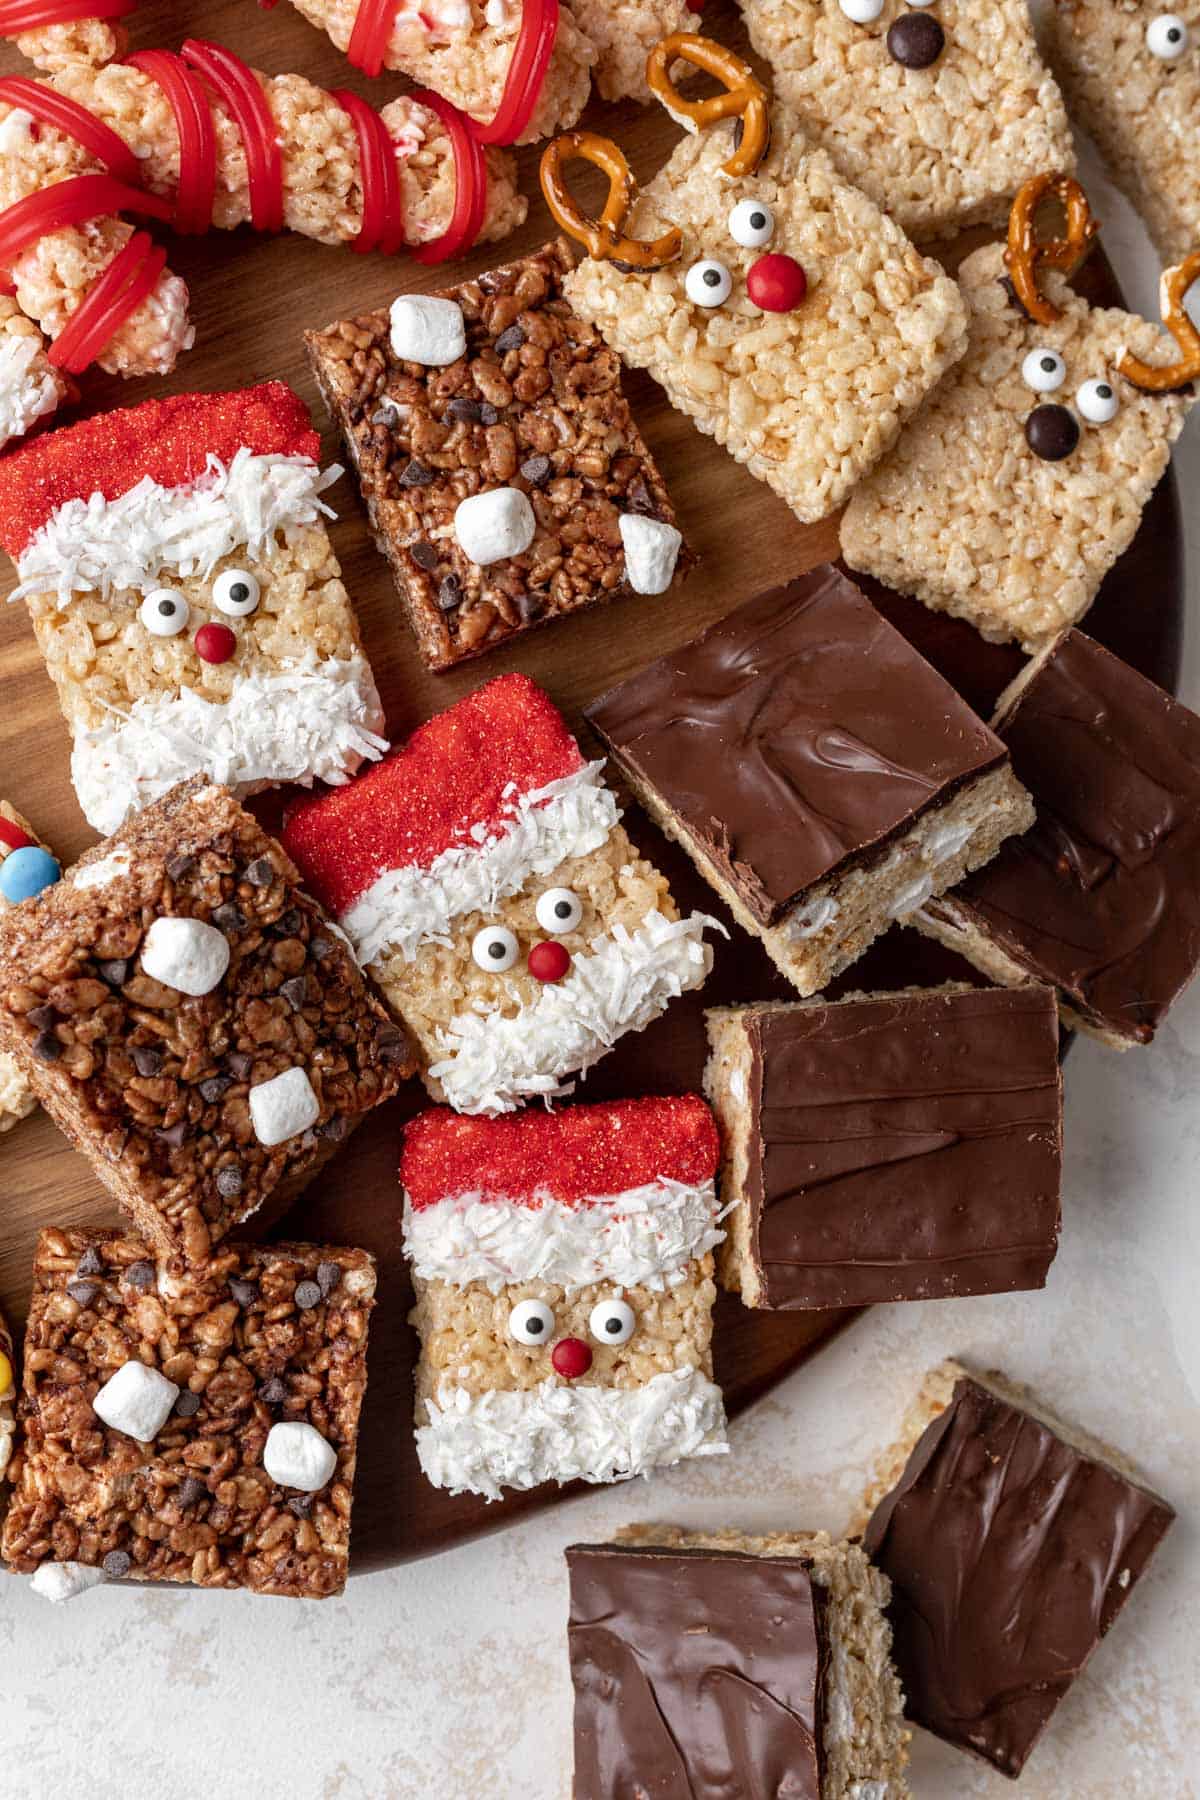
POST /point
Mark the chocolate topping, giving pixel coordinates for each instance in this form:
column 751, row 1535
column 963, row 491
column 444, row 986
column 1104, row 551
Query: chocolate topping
column 797, row 736
column 1010, row 1554
column 904, row 1148
column 698, row 1674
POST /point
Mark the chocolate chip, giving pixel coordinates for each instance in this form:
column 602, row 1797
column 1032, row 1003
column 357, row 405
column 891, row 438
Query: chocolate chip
column 536, row 470
column 91, row 1262
column 333, row 1129
column 639, row 498
column 241, row 1062
column 244, row 1292
column 329, row 1275
column 385, row 414
column 274, row 1391
column 261, row 872
column 179, row 865
column 464, row 411
column 230, row 1181
column 42, row 1017
column 229, row 917
column 416, row 474
column 1051, row 432
column 146, row 1059
column 915, row 41
column 511, row 339
column 187, row 1405
column 489, row 414
column 300, row 1505
column 141, row 1275
column 424, row 555
column 114, row 970
column 117, row 1564
column 83, row 1292
column 321, row 947
column 308, row 1295
column 46, row 1047
column 215, row 1088
column 530, row 607
column 449, row 594
column 173, row 1136
column 190, row 1493
column 295, row 991
column 289, row 923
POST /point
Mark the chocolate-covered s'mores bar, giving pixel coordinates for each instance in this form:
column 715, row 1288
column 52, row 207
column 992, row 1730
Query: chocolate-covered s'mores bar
column 822, row 776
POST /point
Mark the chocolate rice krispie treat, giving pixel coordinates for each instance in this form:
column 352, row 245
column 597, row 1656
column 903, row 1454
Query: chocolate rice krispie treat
column 8, row 1394
column 504, row 474
column 189, row 1424
column 781, row 310
column 191, row 1019
column 26, row 867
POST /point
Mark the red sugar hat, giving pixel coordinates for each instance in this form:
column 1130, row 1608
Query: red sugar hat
column 571, row 1154
column 455, row 772
column 168, row 440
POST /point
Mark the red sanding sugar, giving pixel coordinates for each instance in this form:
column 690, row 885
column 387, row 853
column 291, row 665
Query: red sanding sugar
column 168, row 440
column 466, row 767
column 571, row 1154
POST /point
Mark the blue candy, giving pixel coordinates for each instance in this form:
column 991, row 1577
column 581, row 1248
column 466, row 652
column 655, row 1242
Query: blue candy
column 25, row 872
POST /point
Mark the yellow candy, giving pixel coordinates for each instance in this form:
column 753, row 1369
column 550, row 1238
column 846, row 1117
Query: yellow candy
column 6, row 1373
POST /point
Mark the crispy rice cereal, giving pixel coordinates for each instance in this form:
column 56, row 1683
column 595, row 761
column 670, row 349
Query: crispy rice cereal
column 16, row 1095
column 622, row 34
column 30, row 386
column 809, row 399
column 938, row 148
column 963, row 514
column 8, row 1391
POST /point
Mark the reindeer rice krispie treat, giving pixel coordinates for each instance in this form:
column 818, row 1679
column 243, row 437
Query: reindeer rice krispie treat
column 26, row 867
column 506, row 479
column 485, row 882
column 1023, row 479
column 208, row 1430
column 187, row 599
column 563, row 1270
column 779, row 308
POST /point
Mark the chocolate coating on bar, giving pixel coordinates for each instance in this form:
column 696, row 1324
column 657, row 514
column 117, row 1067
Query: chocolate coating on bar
column 1010, row 1554
column 1102, row 896
column 798, row 735
column 699, row 1674
column 906, row 1147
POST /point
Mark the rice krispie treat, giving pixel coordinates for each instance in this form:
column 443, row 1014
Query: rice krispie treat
column 189, row 1424
column 820, row 774
column 852, row 1131
column 187, row 599
column 1011, row 1541
column 563, row 1271
column 714, row 1664
column 31, row 388
column 1101, row 897
column 485, row 881
column 188, row 1016
column 785, row 314
column 1023, row 479
column 506, row 479
column 1131, row 75
column 938, row 115
column 26, row 867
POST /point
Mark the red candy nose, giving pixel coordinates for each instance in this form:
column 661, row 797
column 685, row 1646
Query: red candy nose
column 571, row 1358
column 215, row 643
column 776, row 283
column 549, row 961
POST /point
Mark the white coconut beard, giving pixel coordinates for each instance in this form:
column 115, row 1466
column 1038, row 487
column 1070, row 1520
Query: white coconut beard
column 519, row 1438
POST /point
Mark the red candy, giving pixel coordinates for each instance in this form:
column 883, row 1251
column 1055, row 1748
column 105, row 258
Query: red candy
column 571, row 1358
column 549, row 961
column 215, row 643
column 12, row 837
column 572, row 1154
column 776, row 283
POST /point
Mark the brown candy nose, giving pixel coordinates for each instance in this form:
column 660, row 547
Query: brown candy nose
column 915, row 41
column 1051, row 432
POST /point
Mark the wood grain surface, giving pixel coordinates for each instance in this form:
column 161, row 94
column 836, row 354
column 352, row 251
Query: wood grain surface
column 251, row 299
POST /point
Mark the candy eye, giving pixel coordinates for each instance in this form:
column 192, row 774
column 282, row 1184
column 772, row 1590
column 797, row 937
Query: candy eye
column 1044, row 371
column 495, row 948
column 612, row 1322
column 708, row 283
column 558, row 910
column 751, row 224
column 1097, row 401
column 1167, row 37
column 862, row 12
column 163, row 613
column 236, row 593
column 531, row 1322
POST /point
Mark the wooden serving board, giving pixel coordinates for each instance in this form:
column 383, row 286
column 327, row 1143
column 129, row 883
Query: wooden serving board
column 251, row 300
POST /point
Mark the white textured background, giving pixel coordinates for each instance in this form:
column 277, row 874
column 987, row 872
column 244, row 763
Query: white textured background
column 448, row 1680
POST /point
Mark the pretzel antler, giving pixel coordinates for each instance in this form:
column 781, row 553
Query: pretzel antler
column 603, row 238
column 1027, row 253
column 744, row 97
column 1154, row 378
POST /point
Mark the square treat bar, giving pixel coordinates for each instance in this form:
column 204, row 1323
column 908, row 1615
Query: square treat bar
column 484, row 880
column 207, row 1429
column 1131, row 75
column 1011, row 496
column 187, row 600
column 529, row 412
column 1101, row 897
column 818, row 772
column 26, row 867
column 716, row 1664
column 1011, row 1541
column 563, row 1269
column 888, row 1146
column 939, row 118
column 191, row 1020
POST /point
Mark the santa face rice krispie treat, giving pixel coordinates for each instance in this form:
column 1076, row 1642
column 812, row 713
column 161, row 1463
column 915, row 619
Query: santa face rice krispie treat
column 484, row 880
column 778, row 307
column 190, row 1019
column 187, row 600
column 563, row 1269
column 26, row 867
column 506, row 479
column 189, row 1424
column 938, row 114
column 1132, row 77
column 1024, row 478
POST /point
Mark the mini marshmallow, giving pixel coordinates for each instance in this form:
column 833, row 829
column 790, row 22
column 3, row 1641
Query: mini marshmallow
column 59, row 1581
column 295, row 1455
column 283, row 1106
column 651, row 552
column 136, row 1400
column 185, row 954
column 495, row 524
column 427, row 330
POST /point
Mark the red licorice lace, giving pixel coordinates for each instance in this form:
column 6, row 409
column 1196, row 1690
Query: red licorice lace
column 17, row 16
column 382, row 201
column 470, row 183
column 188, row 101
